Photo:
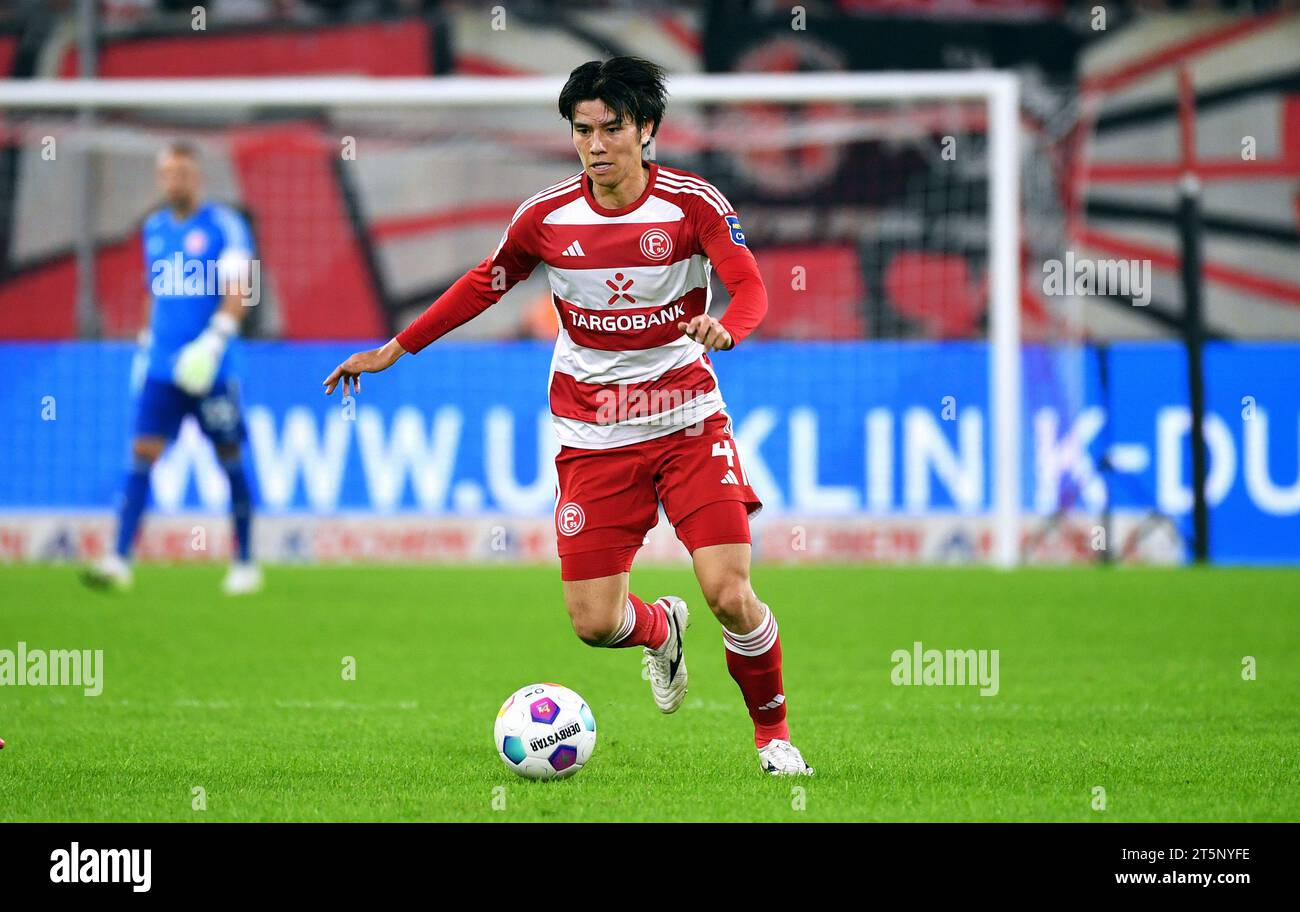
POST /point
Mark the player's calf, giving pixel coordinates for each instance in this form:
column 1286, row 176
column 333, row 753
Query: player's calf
column 754, row 660
column 113, row 571
column 614, row 619
column 244, row 577
column 605, row 614
column 753, row 647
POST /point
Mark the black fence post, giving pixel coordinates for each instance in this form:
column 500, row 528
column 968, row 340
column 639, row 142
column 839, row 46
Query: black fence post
column 1189, row 225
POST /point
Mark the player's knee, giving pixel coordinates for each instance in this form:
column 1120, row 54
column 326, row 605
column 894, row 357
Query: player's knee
column 733, row 601
column 593, row 623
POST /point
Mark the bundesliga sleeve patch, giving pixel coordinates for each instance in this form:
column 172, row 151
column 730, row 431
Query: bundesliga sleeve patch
column 737, row 233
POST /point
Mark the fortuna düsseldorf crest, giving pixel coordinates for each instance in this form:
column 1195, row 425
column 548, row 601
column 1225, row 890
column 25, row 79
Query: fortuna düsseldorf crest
column 571, row 519
column 656, row 244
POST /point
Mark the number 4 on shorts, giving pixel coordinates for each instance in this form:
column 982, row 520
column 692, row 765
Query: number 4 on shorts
column 723, row 448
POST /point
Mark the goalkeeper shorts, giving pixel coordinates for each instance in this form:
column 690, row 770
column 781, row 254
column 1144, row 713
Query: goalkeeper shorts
column 163, row 406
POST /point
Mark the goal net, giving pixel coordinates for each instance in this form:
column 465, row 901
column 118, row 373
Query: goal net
column 880, row 410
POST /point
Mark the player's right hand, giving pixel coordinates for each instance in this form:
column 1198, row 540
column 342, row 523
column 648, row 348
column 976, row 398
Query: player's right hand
column 366, row 362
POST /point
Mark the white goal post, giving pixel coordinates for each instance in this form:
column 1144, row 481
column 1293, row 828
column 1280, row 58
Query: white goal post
column 999, row 91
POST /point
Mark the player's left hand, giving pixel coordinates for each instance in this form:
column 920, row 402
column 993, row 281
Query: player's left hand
column 708, row 332
column 366, row 362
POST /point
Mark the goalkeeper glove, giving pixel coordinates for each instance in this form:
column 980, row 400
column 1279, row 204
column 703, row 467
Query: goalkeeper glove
column 198, row 362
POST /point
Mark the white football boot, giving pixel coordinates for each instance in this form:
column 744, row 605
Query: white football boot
column 666, row 666
column 781, row 758
column 110, row 572
column 242, row 579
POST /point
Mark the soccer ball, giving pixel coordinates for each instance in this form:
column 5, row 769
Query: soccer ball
column 545, row 731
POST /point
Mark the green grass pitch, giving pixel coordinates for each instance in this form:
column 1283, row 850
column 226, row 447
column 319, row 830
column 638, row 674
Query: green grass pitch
column 1129, row 680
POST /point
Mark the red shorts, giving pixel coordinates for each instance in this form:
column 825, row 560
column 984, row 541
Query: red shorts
column 609, row 499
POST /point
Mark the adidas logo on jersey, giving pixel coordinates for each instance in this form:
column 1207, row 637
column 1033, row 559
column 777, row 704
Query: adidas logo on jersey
column 730, row 478
column 574, row 249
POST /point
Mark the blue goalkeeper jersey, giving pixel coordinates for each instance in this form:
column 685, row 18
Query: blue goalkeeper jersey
column 183, row 272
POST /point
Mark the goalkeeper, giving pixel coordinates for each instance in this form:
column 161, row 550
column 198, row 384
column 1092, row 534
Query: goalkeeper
column 198, row 258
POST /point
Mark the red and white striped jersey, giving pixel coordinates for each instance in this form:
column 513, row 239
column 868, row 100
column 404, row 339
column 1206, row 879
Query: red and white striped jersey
column 621, row 281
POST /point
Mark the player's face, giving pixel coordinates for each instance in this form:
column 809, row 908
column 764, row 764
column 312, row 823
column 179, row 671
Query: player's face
column 610, row 148
column 179, row 180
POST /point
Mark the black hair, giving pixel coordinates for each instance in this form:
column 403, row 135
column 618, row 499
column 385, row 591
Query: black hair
column 631, row 87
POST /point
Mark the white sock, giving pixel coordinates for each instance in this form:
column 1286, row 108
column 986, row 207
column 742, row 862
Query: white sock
column 625, row 629
column 757, row 641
